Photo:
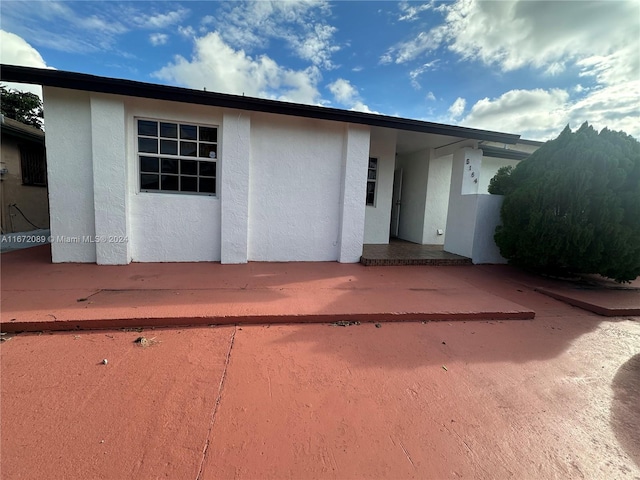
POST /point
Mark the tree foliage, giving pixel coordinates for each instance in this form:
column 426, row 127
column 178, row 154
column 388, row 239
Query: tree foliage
column 574, row 206
column 25, row 107
column 500, row 184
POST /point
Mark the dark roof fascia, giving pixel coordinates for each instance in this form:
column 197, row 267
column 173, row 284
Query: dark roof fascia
column 534, row 143
column 22, row 133
column 497, row 152
column 92, row 83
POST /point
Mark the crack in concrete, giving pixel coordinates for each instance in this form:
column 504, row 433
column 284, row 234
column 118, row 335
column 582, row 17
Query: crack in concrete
column 217, row 404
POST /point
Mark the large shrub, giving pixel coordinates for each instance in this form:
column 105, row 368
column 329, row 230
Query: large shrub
column 574, row 206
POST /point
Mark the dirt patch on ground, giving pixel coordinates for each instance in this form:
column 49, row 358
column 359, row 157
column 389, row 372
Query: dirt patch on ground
column 145, row 342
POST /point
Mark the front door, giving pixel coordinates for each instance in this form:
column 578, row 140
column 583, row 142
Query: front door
column 396, row 202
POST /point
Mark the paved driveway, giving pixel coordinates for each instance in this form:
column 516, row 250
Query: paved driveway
column 556, row 397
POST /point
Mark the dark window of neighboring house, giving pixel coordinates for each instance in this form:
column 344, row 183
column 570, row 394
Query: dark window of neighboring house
column 34, row 166
column 372, row 178
column 177, row 157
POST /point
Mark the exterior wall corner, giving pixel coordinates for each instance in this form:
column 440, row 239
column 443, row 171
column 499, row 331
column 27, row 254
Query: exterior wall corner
column 354, row 184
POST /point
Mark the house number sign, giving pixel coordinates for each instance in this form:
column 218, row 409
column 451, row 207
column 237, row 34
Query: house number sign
column 470, row 174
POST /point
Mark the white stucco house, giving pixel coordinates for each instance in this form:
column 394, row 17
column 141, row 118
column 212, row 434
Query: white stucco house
column 151, row 173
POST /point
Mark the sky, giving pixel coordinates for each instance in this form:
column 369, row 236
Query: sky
column 524, row 67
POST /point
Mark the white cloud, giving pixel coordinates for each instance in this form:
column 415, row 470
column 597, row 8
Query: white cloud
column 343, row 91
column 346, row 94
column 187, row 31
column 600, row 39
column 616, row 107
column 94, row 28
column 218, row 67
column 431, row 97
column 316, row 46
column 410, row 11
column 541, row 114
column 457, row 108
column 160, row 20
column 208, row 20
column 522, row 33
column 158, row 39
column 55, row 25
column 299, row 23
column 417, row 72
column 516, row 33
column 536, row 114
column 15, row 51
column 410, row 50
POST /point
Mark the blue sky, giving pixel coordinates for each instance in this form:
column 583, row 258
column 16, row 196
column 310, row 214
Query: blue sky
column 526, row 67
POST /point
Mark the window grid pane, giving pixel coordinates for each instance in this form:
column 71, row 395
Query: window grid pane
column 372, row 177
column 159, row 141
column 169, row 130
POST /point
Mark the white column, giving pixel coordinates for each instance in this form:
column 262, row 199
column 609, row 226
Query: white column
column 354, row 186
column 110, row 198
column 234, row 186
column 70, row 174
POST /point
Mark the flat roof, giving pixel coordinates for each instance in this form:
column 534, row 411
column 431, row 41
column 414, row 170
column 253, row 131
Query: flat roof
column 116, row 86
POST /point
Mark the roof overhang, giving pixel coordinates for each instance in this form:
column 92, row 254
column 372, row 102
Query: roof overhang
column 20, row 130
column 92, row 83
column 497, row 152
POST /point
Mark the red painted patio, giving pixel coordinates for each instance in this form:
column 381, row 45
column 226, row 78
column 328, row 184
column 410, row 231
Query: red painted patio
column 553, row 397
column 38, row 295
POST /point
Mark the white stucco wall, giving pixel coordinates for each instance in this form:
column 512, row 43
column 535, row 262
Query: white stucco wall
column 437, row 202
column 378, row 216
column 171, row 227
column 295, row 189
column 175, row 228
column 292, row 190
column 70, row 173
column 415, row 174
column 461, row 217
column 485, row 249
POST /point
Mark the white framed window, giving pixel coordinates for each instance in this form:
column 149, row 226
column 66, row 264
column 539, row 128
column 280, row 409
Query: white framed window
column 177, row 157
column 372, row 179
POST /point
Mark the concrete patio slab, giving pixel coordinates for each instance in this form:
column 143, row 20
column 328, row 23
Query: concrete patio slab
column 38, row 295
column 607, row 302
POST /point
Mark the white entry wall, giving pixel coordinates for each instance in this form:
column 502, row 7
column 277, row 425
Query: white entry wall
column 415, row 174
column 437, row 202
column 425, row 196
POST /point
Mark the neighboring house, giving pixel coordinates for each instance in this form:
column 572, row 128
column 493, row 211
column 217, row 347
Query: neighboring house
column 157, row 173
column 23, row 178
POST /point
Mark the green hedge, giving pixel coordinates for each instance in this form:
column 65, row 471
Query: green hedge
column 573, row 206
